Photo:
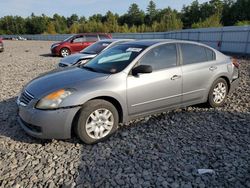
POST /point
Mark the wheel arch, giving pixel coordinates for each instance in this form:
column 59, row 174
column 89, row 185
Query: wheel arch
column 116, row 104
column 227, row 80
column 212, row 82
column 112, row 100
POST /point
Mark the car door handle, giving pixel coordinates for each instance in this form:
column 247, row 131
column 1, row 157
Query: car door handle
column 212, row 68
column 175, row 77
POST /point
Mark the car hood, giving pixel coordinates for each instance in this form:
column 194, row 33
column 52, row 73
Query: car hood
column 72, row 59
column 61, row 78
column 56, row 44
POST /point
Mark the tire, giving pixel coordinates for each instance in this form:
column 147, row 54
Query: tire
column 92, row 128
column 65, row 52
column 218, row 93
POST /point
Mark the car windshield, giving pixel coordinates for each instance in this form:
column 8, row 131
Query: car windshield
column 96, row 48
column 115, row 59
column 67, row 39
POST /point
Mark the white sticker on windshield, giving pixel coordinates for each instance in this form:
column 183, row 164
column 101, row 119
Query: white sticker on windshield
column 105, row 44
column 134, row 49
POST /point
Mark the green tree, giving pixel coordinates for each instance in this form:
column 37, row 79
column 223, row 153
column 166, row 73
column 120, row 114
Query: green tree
column 242, row 23
column 212, row 21
column 51, row 28
column 111, row 22
column 191, row 14
column 60, row 23
column 13, row 25
column 36, row 24
column 151, row 13
column 169, row 21
column 96, row 17
column 74, row 28
column 135, row 16
column 240, row 10
column 72, row 19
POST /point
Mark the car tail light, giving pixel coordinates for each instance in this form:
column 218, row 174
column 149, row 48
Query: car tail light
column 235, row 62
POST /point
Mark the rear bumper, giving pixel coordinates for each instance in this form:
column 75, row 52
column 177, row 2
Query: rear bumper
column 235, row 83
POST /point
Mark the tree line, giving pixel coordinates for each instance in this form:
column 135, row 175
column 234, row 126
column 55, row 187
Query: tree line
column 214, row 13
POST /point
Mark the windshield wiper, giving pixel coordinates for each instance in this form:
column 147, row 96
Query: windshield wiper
column 88, row 52
column 89, row 68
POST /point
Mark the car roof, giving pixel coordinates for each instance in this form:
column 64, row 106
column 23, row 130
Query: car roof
column 150, row 42
column 91, row 34
column 116, row 40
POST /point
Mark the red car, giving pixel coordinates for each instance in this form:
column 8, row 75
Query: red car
column 76, row 43
column 1, row 45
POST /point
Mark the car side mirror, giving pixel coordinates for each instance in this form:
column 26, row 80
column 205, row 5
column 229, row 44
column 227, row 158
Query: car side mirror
column 143, row 69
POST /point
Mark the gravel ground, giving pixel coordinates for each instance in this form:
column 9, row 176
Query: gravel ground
column 164, row 150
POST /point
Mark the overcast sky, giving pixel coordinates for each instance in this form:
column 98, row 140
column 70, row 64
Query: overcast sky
column 81, row 7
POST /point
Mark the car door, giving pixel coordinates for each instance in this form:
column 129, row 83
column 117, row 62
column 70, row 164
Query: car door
column 77, row 42
column 198, row 66
column 159, row 89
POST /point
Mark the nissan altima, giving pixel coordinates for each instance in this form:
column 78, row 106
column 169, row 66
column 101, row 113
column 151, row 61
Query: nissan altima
column 128, row 81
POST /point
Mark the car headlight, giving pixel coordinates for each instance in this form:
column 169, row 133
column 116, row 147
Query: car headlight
column 53, row 100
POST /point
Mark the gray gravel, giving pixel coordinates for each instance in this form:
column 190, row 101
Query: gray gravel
column 164, row 150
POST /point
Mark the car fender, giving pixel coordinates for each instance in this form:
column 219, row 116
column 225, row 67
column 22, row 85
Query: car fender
column 105, row 94
column 64, row 46
column 211, row 81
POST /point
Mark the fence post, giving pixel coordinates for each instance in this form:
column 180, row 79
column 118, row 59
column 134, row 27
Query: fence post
column 247, row 41
column 221, row 39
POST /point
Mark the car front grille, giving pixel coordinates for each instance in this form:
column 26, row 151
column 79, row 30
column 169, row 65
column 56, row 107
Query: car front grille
column 26, row 97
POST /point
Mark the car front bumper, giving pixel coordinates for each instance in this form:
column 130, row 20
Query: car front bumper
column 54, row 51
column 47, row 124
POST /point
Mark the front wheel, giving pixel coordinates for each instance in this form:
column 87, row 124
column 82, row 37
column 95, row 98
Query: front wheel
column 64, row 52
column 98, row 119
column 218, row 92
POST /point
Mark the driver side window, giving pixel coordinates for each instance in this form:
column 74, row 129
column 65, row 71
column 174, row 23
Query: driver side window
column 161, row 57
column 79, row 39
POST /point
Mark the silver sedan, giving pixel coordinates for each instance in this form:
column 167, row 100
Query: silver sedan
column 128, row 81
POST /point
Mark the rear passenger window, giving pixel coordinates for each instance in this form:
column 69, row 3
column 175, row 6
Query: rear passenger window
column 91, row 38
column 192, row 53
column 161, row 57
column 210, row 54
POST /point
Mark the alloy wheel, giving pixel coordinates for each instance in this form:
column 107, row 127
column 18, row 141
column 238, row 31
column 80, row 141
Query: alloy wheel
column 99, row 123
column 64, row 52
column 219, row 92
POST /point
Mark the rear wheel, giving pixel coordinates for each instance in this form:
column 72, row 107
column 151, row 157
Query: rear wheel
column 218, row 92
column 64, row 52
column 98, row 119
